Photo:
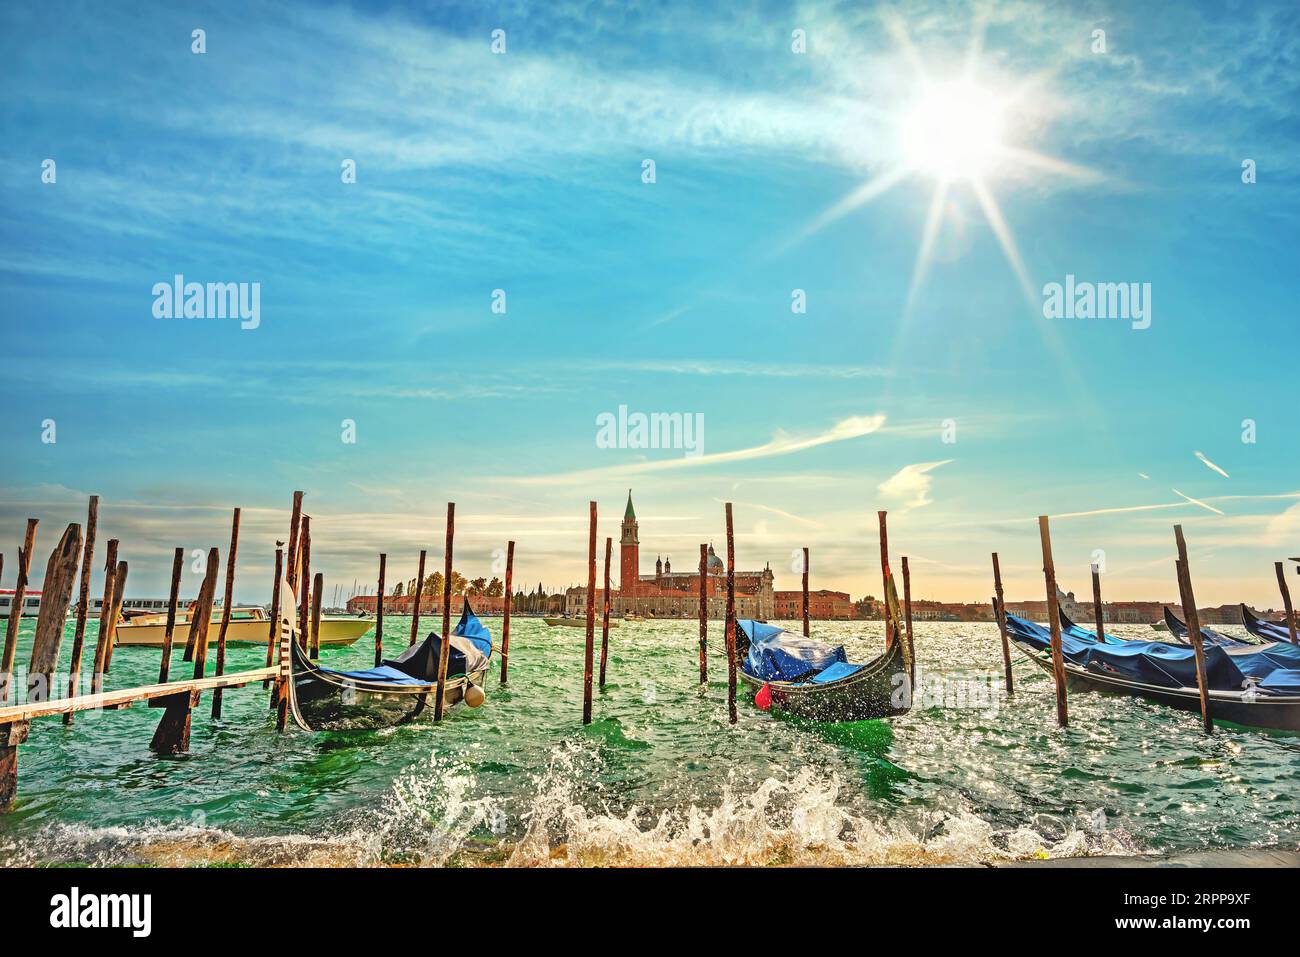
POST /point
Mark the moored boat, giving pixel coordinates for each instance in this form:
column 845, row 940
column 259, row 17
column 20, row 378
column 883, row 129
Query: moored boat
column 1178, row 628
column 1068, row 627
column 1264, row 629
column 810, row 679
column 1254, row 686
column 248, row 626
column 398, row 691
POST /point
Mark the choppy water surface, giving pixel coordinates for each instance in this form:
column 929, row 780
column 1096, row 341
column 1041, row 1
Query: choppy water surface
column 659, row 777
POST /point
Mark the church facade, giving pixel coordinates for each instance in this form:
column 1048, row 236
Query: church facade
column 670, row 594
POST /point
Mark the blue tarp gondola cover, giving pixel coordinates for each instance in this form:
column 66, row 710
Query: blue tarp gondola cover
column 778, row 655
column 1172, row 666
column 471, row 647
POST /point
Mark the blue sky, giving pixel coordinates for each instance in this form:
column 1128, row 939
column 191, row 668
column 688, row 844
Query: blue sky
column 523, row 172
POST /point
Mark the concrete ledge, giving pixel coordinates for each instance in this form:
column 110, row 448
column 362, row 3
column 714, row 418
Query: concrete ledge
column 1225, row 858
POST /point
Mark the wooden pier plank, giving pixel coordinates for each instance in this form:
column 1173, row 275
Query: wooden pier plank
column 127, row 696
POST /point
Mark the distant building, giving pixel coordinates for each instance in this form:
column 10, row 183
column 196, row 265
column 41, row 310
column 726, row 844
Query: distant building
column 670, row 594
column 823, row 605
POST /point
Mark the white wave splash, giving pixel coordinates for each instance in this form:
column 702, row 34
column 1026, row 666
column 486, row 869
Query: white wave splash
column 434, row 815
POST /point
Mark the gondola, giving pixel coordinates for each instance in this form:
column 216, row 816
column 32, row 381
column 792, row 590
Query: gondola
column 1178, row 628
column 813, row 680
column 1068, row 627
column 1254, row 686
column 1264, row 630
column 1174, row 626
column 399, row 691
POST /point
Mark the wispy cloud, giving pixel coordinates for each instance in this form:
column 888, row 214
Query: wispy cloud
column 781, row 444
column 1197, row 501
column 775, row 511
column 715, row 367
column 1209, row 464
column 910, row 486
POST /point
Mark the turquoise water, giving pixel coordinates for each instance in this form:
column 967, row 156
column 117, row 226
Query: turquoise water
column 659, row 777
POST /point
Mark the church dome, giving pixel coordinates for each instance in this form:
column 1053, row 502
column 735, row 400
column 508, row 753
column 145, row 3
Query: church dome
column 713, row 562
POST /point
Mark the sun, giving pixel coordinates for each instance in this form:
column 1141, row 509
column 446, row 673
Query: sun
column 954, row 131
column 962, row 133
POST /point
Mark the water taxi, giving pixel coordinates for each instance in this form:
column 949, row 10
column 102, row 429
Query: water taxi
column 249, row 625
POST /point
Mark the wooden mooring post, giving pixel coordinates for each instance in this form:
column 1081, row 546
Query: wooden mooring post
column 379, row 611
column 304, row 584
column 1096, row 602
column 172, row 735
column 11, row 735
column 805, row 593
column 1193, row 619
column 506, row 608
column 169, row 636
column 227, row 599
column 704, row 613
column 591, row 615
column 604, row 628
column 1000, row 613
column 107, row 625
column 419, row 596
column 317, row 593
column 907, row 621
column 203, row 613
column 109, row 645
column 56, row 596
column 16, row 612
column 1054, row 614
column 890, row 625
column 1286, row 601
column 444, row 647
column 83, row 602
column 273, row 639
column 732, row 716
column 295, row 523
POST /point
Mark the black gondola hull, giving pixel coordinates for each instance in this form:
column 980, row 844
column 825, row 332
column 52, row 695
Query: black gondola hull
column 322, row 701
column 1275, row 712
column 881, row 689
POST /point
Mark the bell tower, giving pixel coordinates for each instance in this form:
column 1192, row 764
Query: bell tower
column 629, row 553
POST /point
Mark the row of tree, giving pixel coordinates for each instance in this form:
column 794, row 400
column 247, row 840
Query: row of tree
column 460, row 585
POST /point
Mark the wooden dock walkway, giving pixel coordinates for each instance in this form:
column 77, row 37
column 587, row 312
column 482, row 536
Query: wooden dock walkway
column 125, row 697
column 172, row 737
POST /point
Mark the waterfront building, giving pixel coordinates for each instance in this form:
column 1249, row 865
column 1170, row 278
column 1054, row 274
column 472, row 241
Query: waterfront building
column 823, row 605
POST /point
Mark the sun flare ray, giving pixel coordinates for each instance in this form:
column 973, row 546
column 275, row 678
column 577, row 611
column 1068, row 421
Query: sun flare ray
column 865, row 193
column 1008, row 242
column 933, row 221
